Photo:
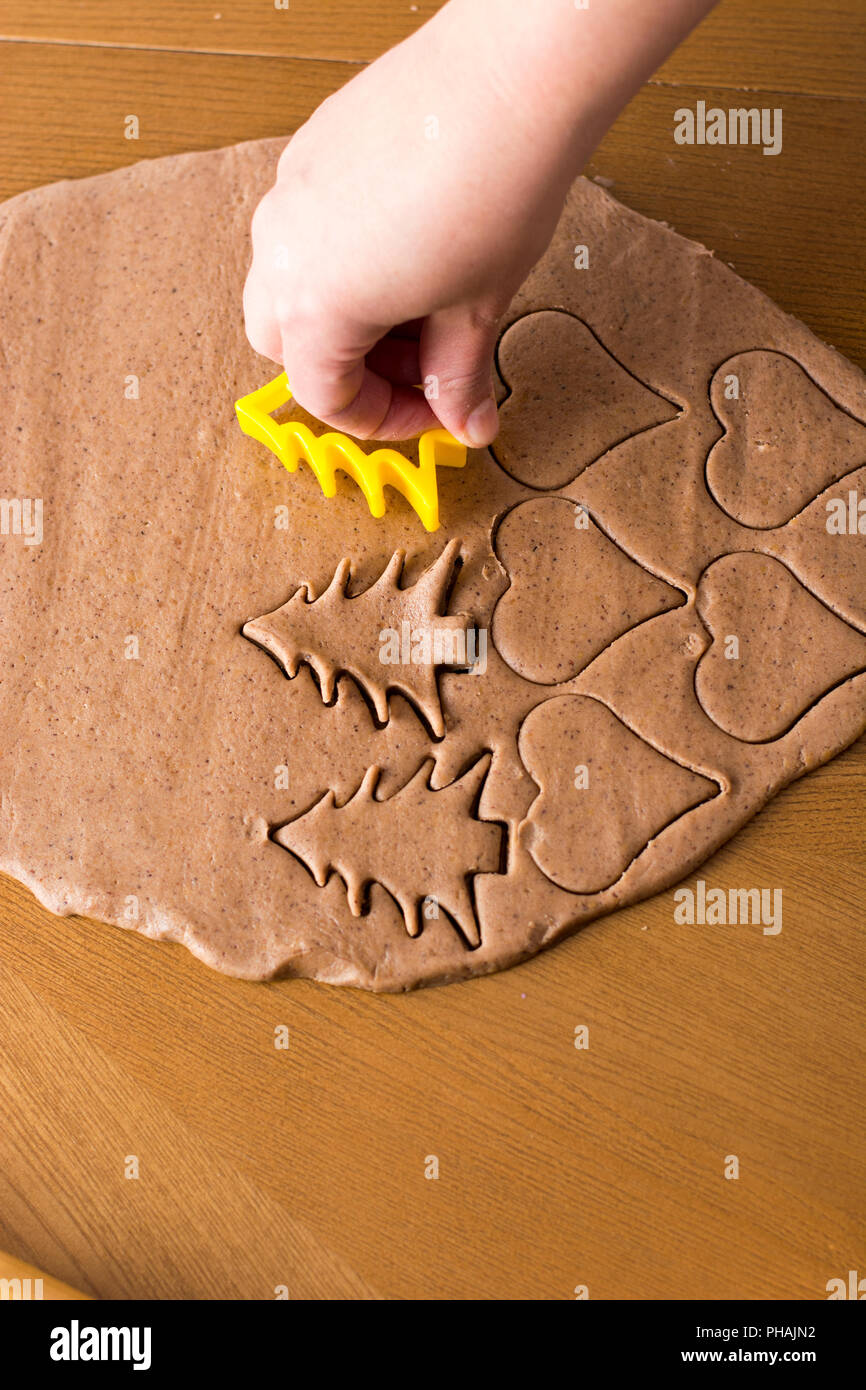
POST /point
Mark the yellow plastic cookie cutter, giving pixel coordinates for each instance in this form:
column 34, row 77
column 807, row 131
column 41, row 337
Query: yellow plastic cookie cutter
column 293, row 443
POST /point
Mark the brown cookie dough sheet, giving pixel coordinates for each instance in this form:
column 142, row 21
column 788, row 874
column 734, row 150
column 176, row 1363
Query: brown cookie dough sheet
column 270, row 799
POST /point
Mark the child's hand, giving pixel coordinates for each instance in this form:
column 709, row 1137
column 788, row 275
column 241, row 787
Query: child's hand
column 410, row 207
column 418, row 192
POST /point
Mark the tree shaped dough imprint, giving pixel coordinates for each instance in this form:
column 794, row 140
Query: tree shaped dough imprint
column 386, row 638
column 419, row 844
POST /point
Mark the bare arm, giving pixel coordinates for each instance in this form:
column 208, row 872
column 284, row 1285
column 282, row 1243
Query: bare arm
column 410, row 207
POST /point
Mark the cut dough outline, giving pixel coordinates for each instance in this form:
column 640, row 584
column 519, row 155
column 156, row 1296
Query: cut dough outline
column 858, row 623
column 683, row 409
column 721, row 790
column 576, row 505
column 828, row 690
column 724, row 430
column 451, row 558
column 369, row 784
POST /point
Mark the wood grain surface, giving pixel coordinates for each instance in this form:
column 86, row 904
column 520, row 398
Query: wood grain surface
column 33, row 1283
column 304, row 1169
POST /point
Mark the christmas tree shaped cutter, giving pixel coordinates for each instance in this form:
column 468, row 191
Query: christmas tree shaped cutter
column 293, row 443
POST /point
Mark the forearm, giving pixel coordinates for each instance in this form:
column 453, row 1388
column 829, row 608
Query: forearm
column 567, row 72
column 452, row 153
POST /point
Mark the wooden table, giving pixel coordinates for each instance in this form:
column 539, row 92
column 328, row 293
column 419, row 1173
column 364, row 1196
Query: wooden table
column 559, row 1167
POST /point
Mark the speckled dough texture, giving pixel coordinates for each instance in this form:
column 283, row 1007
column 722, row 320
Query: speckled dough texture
column 213, row 733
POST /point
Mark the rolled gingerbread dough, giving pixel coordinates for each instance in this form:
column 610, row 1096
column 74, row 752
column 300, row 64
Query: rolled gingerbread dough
column 303, row 741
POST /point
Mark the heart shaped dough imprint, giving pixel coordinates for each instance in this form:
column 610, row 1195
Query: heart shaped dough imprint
column 785, row 439
column 554, row 552
column 603, row 792
column 570, row 400
column 776, row 649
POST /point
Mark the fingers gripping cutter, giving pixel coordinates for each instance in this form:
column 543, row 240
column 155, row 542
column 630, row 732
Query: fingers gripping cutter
column 328, row 454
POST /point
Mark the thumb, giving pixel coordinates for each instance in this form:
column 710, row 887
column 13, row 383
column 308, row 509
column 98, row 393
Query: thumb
column 456, row 358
